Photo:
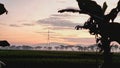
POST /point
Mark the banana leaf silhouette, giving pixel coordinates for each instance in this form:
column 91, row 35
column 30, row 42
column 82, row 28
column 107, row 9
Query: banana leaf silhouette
column 91, row 7
column 118, row 5
column 99, row 25
column 68, row 10
column 2, row 9
column 104, row 7
column 112, row 15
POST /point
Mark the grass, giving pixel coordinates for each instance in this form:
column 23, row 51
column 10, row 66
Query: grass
column 35, row 59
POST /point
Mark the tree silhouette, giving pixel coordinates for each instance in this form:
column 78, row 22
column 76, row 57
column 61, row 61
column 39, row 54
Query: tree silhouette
column 38, row 48
column 56, row 47
column 102, row 26
column 4, row 43
column 80, row 48
column 3, row 9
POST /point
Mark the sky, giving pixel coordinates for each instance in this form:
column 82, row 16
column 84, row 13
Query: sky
column 28, row 22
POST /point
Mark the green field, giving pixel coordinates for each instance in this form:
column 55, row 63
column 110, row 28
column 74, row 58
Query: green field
column 52, row 59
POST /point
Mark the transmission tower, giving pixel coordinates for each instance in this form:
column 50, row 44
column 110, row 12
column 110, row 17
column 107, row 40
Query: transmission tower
column 48, row 37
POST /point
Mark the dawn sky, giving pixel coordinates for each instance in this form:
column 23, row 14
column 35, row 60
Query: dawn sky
column 28, row 22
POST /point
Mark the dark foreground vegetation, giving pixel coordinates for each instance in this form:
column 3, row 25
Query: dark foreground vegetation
column 53, row 59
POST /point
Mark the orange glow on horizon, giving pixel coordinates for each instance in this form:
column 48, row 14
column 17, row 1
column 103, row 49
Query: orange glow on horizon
column 27, row 23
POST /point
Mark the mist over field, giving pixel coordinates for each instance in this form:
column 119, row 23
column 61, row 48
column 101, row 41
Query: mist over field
column 53, row 46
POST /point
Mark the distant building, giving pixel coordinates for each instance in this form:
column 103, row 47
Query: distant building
column 4, row 43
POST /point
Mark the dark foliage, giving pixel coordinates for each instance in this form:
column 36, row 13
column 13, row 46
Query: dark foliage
column 2, row 9
column 102, row 26
column 4, row 43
